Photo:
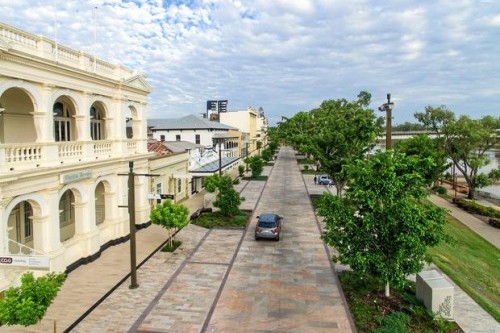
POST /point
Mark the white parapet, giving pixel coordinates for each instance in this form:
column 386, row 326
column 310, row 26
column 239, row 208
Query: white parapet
column 436, row 293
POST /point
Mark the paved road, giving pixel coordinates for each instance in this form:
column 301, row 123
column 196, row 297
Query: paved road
column 285, row 286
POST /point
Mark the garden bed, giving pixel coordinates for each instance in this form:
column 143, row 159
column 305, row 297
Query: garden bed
column 401, row 312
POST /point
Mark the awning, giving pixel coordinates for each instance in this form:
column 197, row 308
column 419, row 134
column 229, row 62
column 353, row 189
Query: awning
column 213, row 167
column 181, row 176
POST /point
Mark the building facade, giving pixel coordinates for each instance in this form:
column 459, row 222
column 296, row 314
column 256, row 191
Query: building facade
column 246, row 122
column 64, row 154
column 207, row 143
column 170, row 175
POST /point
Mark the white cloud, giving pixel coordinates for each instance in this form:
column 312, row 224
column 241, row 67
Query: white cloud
column 286, row 55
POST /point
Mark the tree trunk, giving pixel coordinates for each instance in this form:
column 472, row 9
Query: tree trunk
column 472, row 190
column 387, row 290
column 339, row 188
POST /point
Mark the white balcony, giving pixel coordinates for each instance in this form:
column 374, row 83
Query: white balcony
column 29, row 156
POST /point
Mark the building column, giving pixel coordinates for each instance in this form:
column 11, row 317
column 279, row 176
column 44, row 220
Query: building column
column 82, row 127
column 85, row 227
column 40, row 120
column 142, row 207
column 47, row 233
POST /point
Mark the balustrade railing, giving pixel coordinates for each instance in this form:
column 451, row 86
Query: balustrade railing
column 102, row 148
column 49, row 49
column 28, row 156
column 131, row 146
column 23, row 153
column 70, row 150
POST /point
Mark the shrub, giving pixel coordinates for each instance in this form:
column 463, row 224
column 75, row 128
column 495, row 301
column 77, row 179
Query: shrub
column 27, row 304
column 306, row 167
column 256, row 164
column 228, row 200
column 494, row 222
column 267, row 154
column 439, row 190
column 236, row 181
column 241, row 170
column 476, row 208
column 396, row 322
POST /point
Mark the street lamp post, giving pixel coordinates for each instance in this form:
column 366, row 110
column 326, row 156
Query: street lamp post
column 131, row 210
column 387, row 107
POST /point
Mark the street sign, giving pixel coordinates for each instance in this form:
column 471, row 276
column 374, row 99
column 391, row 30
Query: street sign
column 32, row 261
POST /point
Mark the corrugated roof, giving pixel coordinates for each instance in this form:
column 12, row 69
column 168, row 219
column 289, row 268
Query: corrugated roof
column 214, row 166
column 180, row 146
column 187, row 122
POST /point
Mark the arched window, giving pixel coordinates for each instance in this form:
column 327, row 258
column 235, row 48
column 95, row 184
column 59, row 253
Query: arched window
column 67, row 216
column 28, row 220
column 96, row 124
column 62, row 122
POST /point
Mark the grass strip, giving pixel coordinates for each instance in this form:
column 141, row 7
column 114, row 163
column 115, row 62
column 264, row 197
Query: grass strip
column 472, row 263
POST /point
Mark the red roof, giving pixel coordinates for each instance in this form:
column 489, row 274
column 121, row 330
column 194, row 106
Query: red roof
column 158, row 148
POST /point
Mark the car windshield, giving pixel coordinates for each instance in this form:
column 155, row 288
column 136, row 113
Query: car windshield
column 267, row 224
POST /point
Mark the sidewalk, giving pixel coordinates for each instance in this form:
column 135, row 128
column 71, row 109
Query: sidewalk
column 489, row 233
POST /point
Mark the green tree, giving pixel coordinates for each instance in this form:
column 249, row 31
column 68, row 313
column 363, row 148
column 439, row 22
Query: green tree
column 241, row 170
column 424, row 148
column 211, row 183
column 228, row 199
column 256, row 165
column 344, row 131
column 259, row 145
column 27, row 304
column 170, row 216
column 296, row 132
column 465, row 141
column 382, row 226
column 267, row 155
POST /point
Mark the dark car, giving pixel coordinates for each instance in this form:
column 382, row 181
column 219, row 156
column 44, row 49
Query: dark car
column 268, row 226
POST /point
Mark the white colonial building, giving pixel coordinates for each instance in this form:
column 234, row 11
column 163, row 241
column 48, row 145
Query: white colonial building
column 64, row 147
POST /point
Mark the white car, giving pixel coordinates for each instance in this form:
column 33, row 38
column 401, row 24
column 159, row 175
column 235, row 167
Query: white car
column 324, row 180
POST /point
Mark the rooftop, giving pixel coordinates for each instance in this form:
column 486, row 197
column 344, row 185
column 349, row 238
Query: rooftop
column 187, row 122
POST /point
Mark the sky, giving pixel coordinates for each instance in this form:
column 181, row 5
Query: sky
column 287, row 56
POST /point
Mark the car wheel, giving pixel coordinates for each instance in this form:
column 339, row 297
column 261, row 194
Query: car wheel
column 256, row 238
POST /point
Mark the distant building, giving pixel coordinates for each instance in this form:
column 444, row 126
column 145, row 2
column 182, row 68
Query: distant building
column 201, row 138
column 251, row 123
column 172, row 168
column 64, row 146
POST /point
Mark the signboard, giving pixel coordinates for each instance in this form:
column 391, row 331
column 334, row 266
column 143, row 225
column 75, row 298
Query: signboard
column 32, row 261
column 152, row 196
column 75, row 176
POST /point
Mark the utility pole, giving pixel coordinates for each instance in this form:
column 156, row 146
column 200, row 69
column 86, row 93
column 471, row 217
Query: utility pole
column 131, row 211
column 387, row 107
